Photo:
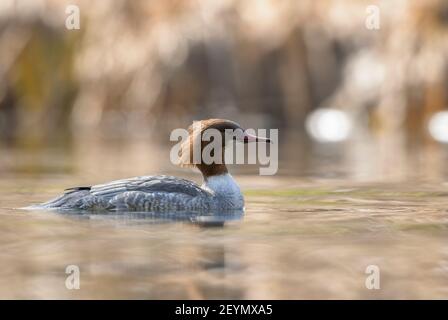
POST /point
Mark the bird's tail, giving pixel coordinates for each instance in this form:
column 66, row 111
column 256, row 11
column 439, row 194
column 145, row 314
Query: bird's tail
column 67, row 200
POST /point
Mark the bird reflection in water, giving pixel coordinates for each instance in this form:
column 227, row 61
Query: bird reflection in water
column 201, row 219
column 205, row 264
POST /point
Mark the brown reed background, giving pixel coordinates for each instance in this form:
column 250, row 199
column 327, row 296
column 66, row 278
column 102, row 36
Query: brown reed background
column 137, row 69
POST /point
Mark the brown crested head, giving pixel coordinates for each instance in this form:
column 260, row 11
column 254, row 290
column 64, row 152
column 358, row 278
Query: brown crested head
column 201, row 134
column 204, row 133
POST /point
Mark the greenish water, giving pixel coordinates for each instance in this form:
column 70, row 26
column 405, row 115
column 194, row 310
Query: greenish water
column 301, row 240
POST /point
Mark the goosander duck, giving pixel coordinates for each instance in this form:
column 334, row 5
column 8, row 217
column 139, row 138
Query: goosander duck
column 166, row 193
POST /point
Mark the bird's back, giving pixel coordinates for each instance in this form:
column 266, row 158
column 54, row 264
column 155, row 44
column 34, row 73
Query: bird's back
column 144, row 193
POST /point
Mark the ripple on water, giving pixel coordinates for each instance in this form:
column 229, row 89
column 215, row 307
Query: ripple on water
column 298, row 242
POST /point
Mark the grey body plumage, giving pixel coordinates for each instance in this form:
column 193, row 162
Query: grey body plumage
column 146, row 193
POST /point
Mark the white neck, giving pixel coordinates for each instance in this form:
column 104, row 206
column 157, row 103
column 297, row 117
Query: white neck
column 226, row 188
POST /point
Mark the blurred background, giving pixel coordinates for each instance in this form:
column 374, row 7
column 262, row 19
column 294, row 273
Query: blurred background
column 349, row 101
column 357, row 89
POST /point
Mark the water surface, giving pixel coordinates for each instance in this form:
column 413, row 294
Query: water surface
column 301, row 237
column 300, row 241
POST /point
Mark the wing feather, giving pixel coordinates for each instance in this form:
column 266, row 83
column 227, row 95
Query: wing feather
column 148, row 184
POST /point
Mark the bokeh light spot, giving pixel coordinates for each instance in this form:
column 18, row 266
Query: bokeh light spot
column 328, row 125
column 438, row 126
